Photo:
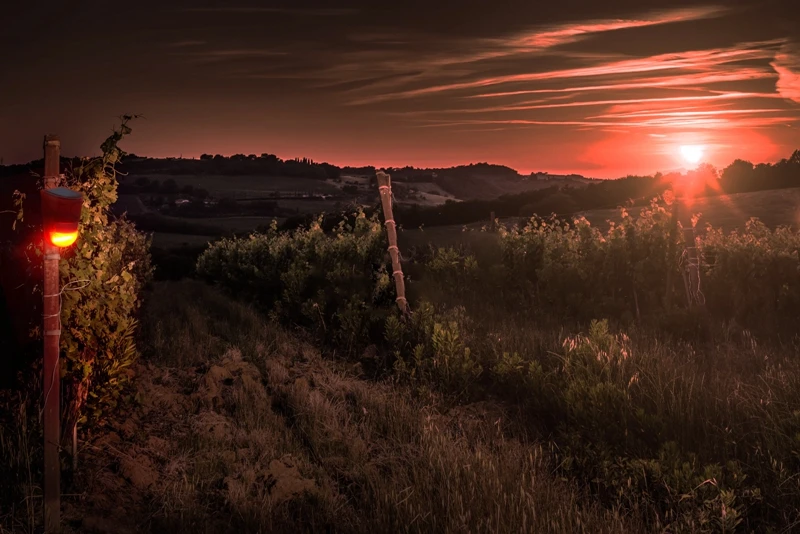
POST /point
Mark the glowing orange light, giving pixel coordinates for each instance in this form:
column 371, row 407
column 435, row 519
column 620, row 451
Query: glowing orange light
column 63, row 239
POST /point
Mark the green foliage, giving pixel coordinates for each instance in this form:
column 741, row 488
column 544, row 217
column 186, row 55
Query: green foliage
column 432, row 348
column 102, row 277
column 574, row 270
column 455, row 269
column 334, row 284
column 690, row 437
column 753, row 277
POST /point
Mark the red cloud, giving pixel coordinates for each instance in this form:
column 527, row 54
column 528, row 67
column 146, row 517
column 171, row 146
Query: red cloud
column 787, row 65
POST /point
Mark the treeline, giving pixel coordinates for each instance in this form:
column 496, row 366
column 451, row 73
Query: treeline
column 236, row 165
column 742, row 176
column 738, row 177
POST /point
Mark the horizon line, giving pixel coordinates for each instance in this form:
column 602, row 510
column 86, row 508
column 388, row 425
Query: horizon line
column 387, row 167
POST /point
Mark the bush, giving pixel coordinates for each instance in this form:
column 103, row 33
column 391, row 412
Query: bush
column 102, row 280
column 432, row 349
column 336, row 284
column 575, row 271
column 753, row 277
column 690, row 437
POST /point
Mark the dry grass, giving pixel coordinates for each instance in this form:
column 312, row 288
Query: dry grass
column 20, row 501
column 243, row 428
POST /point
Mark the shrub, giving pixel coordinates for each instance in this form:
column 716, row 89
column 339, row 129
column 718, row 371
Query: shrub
column 453, row 268
column 102, row 280
column 575, row 271
column 753, row 277
column 335, row 284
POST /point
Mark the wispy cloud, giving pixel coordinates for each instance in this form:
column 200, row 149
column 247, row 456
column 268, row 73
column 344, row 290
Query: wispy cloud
column 665, row 122
column 590, row 103
column 702, row 60
column 787, row 66
column 568, row 33
column 680, row 80
column 399, row 55
column 687, row 114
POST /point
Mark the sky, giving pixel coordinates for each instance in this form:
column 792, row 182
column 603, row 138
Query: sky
column 600, row 88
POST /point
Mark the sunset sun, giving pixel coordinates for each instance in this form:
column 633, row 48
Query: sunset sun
column 692, row 153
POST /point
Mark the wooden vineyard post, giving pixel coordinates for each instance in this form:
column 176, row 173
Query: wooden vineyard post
column 694, row 296
column 492, row 222
column 52, row 378
column 385, row 189
column 673, row 237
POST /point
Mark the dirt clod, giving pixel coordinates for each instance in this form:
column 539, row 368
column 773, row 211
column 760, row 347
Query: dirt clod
column 284, row 481
column 139, row 471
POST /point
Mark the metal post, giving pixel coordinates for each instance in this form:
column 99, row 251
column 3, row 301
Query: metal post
column 52, row 378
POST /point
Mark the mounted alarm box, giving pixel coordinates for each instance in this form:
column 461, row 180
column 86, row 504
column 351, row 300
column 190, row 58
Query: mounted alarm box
column 61, row 215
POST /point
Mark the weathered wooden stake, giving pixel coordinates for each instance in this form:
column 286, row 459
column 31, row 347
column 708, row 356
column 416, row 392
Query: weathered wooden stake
column 673, row 237
column 492, row 221
column 75, row 447
column 385, row 188
column 692, row 266
column 52, row 377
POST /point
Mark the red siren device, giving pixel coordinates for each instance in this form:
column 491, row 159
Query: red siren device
column 61, row 214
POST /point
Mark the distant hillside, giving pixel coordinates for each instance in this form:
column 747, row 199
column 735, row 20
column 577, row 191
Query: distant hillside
column 477, row 181
column 484, row 181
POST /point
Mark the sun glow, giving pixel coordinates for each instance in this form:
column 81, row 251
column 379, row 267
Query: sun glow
column 692, row 153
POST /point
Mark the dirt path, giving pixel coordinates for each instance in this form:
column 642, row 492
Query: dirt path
column 265, row 435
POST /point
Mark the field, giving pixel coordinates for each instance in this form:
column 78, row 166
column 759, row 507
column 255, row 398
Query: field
column 549, row 378
column 672, row 405
column 729, row 212
column 244, row 427
column 167, row 240
column 241, row 187
column 774, row 208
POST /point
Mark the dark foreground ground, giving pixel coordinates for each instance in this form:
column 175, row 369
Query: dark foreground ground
column 240, row 427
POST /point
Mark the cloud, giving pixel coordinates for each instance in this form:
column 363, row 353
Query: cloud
column 434, row 56
column 533, row 105
column 571, row 32
column 679, row 123
column 703, row 60
column 686, row 114
column 787, row 66
column 698, row 80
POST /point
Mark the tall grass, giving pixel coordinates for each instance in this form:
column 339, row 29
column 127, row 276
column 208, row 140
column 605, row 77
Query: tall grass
column 375, row 458
column 684, row 418
column 20, row 457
